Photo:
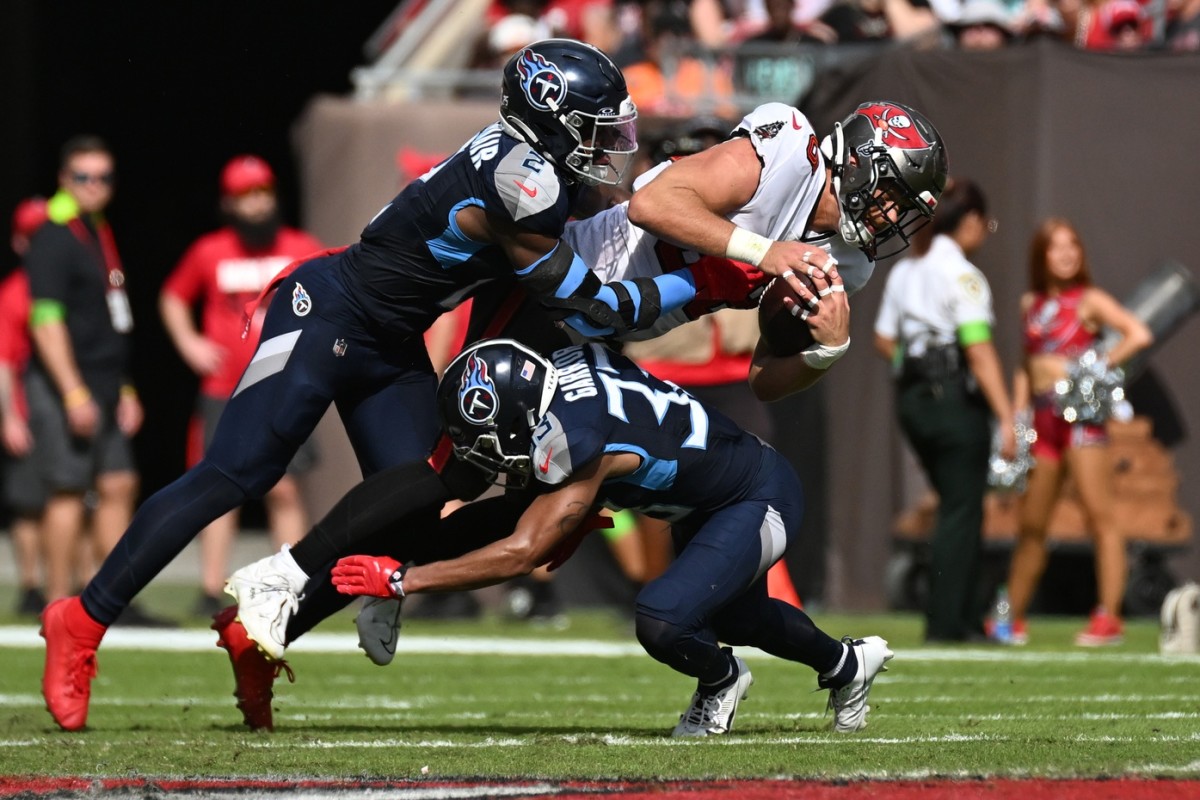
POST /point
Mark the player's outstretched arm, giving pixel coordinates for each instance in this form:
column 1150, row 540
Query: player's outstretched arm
column 549, row 520
column 550, row 270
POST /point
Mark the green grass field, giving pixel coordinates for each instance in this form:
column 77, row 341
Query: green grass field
column 1048, row 709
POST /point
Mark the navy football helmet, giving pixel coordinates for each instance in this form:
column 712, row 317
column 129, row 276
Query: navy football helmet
column 888, row 162
column 569, row 102
column 490, row 398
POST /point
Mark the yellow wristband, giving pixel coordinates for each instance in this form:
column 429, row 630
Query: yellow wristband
column 128, row 391
column 77, row 397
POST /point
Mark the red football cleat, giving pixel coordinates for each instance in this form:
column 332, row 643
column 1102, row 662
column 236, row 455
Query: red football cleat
column 71, row 641
column 254, row 674
column 1103, row 630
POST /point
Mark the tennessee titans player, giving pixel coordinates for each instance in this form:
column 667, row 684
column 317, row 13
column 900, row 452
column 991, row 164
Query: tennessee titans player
column 591, row 428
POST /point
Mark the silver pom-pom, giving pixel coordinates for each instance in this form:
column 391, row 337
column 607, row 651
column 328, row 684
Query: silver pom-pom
column 1091, row 389
column 1010, row 475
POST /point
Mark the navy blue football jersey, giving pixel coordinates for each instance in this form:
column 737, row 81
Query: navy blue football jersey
column 693, row 458
column 412, row 262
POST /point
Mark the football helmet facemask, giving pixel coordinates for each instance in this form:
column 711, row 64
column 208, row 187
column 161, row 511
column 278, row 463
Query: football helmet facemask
column 568, row 101
column 889, row 169
column 490, row 398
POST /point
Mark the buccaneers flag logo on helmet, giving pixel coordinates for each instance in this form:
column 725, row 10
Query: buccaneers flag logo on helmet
column 896, row 125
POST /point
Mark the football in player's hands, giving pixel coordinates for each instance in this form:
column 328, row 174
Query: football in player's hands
column 782, row 329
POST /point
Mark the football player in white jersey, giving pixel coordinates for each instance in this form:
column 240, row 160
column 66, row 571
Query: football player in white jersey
column 767, row 195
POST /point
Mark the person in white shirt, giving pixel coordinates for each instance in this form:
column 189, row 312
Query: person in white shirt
column 935, row 326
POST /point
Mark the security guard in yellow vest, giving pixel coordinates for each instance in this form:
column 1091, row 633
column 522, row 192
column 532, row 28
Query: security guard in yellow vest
column 935, row 327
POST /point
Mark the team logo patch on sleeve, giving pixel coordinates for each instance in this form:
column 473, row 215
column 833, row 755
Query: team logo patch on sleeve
column 477, row 399
column 768, row 131
column 301, row 302
column 971, row 286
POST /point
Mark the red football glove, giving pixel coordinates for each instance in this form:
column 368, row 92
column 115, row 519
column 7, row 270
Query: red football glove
column 567, row 547
column 724, row 283
column 374, row 576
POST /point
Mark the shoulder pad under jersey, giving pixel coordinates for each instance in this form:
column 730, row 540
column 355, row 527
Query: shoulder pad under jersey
column 527, row 184
column 551, row 451
column 780, row 133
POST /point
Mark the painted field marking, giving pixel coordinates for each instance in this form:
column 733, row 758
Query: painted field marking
column 199, row 640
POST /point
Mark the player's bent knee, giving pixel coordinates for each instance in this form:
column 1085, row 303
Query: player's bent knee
column 658, row 638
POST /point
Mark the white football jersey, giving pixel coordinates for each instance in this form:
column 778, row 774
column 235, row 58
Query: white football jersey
column 791, row 182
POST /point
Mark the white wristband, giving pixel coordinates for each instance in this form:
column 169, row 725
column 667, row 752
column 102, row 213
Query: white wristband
column 747, row 246
column 819, row 356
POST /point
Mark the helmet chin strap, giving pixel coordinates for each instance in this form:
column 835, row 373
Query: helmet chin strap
column 517, row 129
column 833, row 147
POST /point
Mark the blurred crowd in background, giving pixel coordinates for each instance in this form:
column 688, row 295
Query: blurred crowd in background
column 641, row 34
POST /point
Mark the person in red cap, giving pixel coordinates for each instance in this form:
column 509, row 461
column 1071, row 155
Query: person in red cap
column 219, row 273
column 23, row 493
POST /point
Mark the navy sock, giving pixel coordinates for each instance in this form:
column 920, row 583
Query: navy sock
column 782, row 630
column 728, row 680
column 841, row 674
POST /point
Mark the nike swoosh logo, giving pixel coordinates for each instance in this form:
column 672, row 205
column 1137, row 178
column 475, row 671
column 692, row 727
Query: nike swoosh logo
column 389, row 644
column 795, row 123
column 531, row 192
column 545, row 465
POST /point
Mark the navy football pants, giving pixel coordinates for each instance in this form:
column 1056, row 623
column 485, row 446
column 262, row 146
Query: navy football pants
column 716, row 588
column 305, row 361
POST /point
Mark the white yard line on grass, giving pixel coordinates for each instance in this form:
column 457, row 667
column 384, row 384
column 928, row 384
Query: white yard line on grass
column 198, row 640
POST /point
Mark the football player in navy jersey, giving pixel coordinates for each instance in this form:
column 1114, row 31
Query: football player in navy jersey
column 591, row 429
column 827, row 208
column 344, row 326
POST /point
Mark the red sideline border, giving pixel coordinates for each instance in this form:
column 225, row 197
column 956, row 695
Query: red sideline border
column 933, row 789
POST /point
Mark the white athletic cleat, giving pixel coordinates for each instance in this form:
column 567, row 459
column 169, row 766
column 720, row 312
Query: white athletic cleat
column 849, row 703
column 268, row 593
column 711, row 714
column 378, row 624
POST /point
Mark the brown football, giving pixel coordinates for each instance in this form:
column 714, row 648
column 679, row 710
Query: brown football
column 783, row 333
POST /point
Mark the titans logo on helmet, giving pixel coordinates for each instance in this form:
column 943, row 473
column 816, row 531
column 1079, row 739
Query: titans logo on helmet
column 543, row 82
column 477, row 400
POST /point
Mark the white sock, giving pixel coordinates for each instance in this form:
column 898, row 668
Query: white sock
column 284, row 562
column 833, row 672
